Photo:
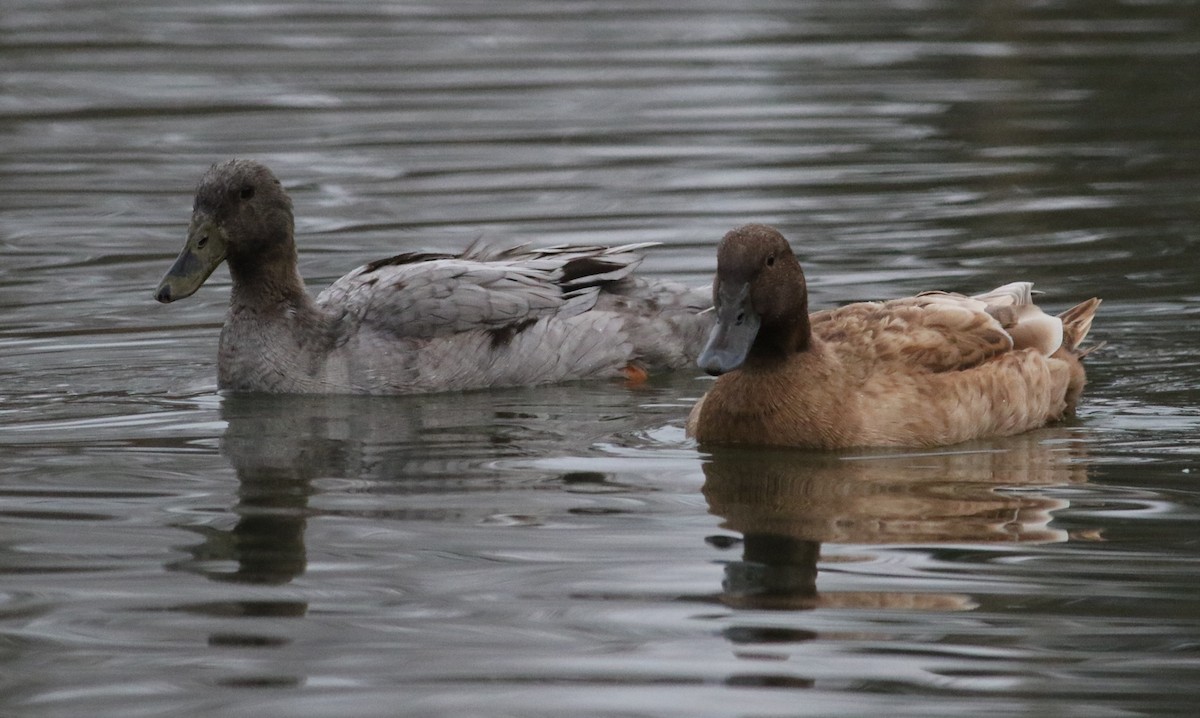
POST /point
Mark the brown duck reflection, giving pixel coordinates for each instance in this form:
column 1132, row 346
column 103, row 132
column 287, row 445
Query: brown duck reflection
column 787, row 503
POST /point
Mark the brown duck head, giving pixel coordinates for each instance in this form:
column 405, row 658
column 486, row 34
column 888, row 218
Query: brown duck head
column 760, row 299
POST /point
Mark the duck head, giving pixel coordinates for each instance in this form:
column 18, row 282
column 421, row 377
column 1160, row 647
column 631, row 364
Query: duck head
column 760, row 299
column 241, row 214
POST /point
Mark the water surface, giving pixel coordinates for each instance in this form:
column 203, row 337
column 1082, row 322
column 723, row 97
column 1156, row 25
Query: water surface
column 566, row 550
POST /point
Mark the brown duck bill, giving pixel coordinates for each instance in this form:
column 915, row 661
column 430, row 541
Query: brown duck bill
column 733, row 335
column 202, row 253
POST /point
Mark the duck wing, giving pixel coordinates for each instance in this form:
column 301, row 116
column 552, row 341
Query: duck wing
column 1012, row 306
column 941, row 331
column 423, row 295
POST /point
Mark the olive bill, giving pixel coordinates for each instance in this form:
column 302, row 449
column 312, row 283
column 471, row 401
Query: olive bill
column 202, row 253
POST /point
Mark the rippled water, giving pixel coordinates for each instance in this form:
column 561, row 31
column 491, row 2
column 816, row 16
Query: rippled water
column 565, row 550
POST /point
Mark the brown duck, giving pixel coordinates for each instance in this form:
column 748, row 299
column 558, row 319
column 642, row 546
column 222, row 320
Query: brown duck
column 929, row 370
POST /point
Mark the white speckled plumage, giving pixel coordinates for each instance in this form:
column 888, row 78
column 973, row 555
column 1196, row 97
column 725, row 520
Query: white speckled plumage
column 423, row 322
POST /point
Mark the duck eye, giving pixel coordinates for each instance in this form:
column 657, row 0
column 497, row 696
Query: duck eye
column 247, row 192
column 770, row 260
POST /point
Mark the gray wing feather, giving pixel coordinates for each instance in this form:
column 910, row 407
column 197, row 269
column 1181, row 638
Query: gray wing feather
column 483, row 289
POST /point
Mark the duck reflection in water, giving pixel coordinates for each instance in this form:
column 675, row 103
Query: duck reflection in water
column 281, row 446
column 276, row 461
column 785, row 504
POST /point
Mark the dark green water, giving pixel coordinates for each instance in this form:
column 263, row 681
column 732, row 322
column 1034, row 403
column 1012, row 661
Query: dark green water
column 165, row 550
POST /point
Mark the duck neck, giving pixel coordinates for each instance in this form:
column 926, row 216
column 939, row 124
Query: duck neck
column 268, row 281
column 778, row 341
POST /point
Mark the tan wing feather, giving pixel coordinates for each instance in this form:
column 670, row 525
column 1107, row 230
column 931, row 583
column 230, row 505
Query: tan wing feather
column 943, row 331
column 935, row 335
column 1012, row 306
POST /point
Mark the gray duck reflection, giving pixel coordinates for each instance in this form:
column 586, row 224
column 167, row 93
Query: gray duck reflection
column 785, row 504
column 278, row 446
column 282, row 447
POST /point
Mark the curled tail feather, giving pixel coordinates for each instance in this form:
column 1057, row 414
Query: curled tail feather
column 1077, row 322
